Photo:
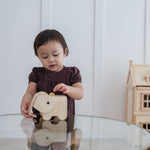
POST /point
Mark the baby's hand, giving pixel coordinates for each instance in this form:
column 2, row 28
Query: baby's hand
column 62, row 88
column 24, row 110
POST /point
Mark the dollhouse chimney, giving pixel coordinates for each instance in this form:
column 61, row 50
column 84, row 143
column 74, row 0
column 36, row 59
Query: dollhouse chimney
column 147, row 77
column 130, row 63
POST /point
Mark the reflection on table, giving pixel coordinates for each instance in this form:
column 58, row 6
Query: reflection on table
column 52, row 135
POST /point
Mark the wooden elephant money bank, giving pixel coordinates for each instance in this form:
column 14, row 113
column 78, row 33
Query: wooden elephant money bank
column 49, row 105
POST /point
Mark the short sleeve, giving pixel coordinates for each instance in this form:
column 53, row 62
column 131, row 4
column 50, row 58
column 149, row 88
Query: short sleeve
column 33, row 76
column 75, row 75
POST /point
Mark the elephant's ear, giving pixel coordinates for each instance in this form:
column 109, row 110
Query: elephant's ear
column 31, row 105
column 33, row 102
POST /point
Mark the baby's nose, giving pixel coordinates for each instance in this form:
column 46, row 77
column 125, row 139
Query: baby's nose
column 51, row 58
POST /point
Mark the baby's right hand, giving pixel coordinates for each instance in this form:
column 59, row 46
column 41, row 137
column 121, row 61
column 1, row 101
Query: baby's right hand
column 24, row 110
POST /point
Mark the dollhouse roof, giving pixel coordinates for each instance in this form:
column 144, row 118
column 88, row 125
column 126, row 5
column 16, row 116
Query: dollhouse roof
column 139, row 75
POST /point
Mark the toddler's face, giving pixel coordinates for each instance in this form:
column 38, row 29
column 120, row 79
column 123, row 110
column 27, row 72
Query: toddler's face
column 51, row 55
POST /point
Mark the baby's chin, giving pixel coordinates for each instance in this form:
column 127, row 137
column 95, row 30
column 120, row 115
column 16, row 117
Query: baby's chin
column 54, row 68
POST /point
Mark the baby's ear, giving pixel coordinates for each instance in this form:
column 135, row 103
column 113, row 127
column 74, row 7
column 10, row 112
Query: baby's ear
column 65, row 52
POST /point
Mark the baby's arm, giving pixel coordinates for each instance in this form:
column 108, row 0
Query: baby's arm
column 31, row 90
column 75, row 91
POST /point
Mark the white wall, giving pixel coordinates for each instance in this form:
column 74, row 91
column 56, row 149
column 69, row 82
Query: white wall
column 102, row 35
column 123, row 40
column 20, row 22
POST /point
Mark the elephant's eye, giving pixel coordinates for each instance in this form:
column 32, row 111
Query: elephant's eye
column 48, row 103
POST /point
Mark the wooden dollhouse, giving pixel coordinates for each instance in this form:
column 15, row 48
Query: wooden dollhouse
column 138, row 96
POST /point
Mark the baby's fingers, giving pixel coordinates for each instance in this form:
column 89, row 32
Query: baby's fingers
column 63, row 89
column 58, row 87
column 27, row 116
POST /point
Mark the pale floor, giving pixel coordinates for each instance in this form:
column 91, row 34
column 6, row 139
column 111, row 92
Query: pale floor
column 86, row 144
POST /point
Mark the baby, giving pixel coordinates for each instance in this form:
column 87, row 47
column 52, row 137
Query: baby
column 51, row 49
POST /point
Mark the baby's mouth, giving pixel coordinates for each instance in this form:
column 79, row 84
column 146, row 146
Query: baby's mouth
column 52, row 66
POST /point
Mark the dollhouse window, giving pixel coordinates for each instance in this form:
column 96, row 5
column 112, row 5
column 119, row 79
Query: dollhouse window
column 145, row 97
column 145, row 101
column 146, row 126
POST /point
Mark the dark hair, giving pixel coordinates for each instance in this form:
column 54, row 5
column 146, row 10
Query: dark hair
column 49, row 35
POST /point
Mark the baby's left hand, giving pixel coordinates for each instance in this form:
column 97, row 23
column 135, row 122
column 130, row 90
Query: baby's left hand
column 62, row 88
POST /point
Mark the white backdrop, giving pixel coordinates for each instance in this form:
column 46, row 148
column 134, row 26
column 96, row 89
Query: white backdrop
column 102, row 35
column 19, row 24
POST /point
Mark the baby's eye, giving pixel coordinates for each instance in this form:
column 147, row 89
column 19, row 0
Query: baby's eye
column 45, row 57
column 55, row 55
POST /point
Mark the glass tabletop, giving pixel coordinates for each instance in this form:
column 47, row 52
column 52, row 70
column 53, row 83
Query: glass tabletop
column 76, row 133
